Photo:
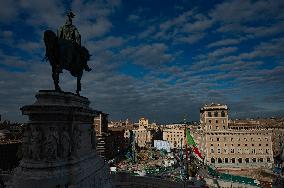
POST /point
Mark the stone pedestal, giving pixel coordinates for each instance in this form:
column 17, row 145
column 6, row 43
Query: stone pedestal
column 59, row 144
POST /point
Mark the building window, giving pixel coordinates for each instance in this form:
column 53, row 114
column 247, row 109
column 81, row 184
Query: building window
column 216, row 121
column 254, row 160
column 259, row 144
column 219, row 150
column 252, row 145
column 260, row 160
column 238, row 144
column 246, row 145
column 222, row 114
column 219, row 160
column 216, row 114
column 268, row 159
column 211, row 150
column 217, row 139
column 240, row 150
column 233, row 160
column 247, row 160
column 226, row 160
column 209, row 114
column 240, row 160
column 212, row 160
column 232, row 150
column 217, row 127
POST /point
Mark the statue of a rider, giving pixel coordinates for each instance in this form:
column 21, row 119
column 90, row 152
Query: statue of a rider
column 69, row 32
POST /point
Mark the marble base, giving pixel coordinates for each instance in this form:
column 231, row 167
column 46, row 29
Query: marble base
column 59, row 144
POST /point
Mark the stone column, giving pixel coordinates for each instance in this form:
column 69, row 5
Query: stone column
column 57, row 144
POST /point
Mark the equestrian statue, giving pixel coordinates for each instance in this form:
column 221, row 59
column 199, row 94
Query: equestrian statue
column 64, row 51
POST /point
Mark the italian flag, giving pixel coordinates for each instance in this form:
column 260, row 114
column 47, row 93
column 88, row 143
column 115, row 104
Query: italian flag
column 191, row 142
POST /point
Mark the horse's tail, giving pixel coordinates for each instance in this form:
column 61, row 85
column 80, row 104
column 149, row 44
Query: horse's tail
column 85, row 53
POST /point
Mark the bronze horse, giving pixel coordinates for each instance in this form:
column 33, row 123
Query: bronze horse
column 65, row 54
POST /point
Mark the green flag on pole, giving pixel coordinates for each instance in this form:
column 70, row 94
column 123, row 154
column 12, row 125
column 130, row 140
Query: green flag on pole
column 189, row 138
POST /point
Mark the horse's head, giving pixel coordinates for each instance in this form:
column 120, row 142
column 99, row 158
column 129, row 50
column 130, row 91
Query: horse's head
column 49, row 38
column 51, row 44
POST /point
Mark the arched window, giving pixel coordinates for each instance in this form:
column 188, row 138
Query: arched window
column 240, row 160
column 219, row 160
column 212, row 160
column 247, row 160
column 222, row 114
column 216, row 114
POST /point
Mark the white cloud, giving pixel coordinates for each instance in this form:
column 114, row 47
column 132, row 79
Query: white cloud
column 224, row 42
column 154, row 55
column 9, row 11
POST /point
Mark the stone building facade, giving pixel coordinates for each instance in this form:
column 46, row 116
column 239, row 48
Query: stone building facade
column 100, row 125
column 175, row 136
column 143, row 137
column 143, row 123
column 273, row 125
column 143, row 132
column 227, row 147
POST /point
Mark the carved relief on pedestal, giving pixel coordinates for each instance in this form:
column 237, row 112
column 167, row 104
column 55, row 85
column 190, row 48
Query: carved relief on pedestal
column 65, row 144
column 26, row 143
column 51, row 144
column 76, row 141
column 35, row 143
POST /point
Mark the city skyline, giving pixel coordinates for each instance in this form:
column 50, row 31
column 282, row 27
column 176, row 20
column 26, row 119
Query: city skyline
column 159, row 59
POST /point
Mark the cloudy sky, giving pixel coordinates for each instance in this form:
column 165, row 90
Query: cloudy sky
column 162, row 59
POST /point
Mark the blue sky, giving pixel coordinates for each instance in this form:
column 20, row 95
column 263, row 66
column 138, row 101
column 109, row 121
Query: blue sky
column 161, row 59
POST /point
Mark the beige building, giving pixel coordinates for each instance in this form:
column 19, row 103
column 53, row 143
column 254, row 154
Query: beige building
column 227, row 147
column 273, row 125
column 175, row 136
column 143, row 123
column 143, row 137
column 143, row 133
